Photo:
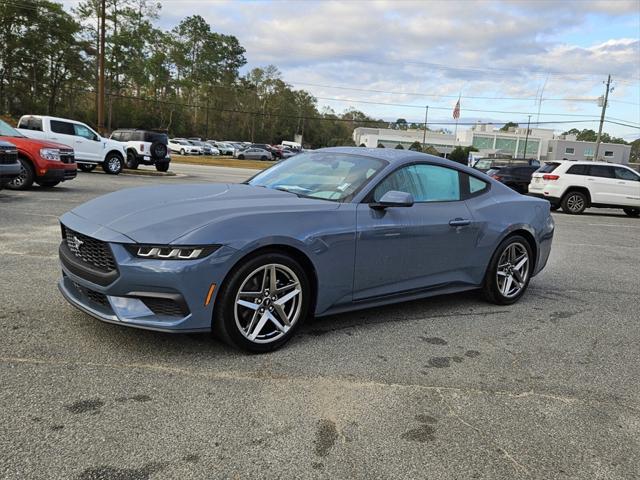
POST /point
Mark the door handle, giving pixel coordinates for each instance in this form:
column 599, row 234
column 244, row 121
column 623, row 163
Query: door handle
column 622, row 183
column 459, row 222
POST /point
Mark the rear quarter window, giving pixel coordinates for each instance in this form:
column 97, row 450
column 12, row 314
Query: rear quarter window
column 548, row 167
column 578, row 170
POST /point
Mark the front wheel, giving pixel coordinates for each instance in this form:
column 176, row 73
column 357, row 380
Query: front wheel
column 263, row 303
column 112, row 164
column 25, row 179
column 509, row 272
column 132, row 161
column 240, row 157
column 574, row 203
column 632, row 212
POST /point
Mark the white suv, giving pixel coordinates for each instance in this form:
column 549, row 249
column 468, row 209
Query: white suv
column 145, row 147
column 575, row 186
column 90, row 148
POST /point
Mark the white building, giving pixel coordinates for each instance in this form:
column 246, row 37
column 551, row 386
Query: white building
column 541, row 143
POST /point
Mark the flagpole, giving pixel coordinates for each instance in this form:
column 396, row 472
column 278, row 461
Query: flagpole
column 455, row 133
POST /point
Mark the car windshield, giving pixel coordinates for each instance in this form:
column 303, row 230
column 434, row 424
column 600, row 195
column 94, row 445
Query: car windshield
column 8, row 131
column 482, row 164
column 329, row 176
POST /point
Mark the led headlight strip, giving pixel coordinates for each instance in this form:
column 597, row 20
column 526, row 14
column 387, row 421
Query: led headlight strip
column 172, row 253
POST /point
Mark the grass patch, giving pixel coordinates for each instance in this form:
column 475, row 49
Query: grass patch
column 221, row 161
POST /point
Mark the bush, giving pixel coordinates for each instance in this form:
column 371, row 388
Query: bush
column 416, row 146
column 380, row 145
column 399, row 147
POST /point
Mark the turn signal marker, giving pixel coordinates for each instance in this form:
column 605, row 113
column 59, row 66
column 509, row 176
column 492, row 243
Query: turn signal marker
column 210, row 294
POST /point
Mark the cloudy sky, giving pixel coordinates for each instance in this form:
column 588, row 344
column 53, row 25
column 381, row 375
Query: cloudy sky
column 497, row 54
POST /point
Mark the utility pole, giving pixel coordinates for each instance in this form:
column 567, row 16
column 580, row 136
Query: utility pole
column 424, row 135
column 526, row 139
column 604, row 108
column 103, row 16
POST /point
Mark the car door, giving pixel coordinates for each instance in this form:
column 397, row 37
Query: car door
column 602, row 184
column 400, row 249
column 88, row 143
column 63, row 132
column 628, row 184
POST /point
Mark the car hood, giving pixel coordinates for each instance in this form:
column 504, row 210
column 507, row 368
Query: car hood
column 163, row 214
column 20, row 142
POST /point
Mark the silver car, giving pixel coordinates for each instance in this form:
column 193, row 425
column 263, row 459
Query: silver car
column 254, row 154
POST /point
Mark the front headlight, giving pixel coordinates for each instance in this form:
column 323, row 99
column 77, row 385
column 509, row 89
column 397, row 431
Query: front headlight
column 50, row 154
column 159, row 252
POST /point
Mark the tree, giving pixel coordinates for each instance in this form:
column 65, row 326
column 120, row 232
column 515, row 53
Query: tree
column 432, row 151
column 507, row 126
column 401, row 124
column 635, row 151
column 416, row 146
column 461, row 154
column 588, row 135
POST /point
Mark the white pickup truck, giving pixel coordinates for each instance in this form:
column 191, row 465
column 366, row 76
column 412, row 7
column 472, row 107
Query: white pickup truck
column 90, row 148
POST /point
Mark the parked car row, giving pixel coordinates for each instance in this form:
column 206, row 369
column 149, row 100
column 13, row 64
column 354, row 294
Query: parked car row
column 573, row 186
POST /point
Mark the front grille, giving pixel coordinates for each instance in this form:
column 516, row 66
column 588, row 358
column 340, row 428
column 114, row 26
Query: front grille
column 8, row 156
column 91, row 251
column 164, row 306
column 95, row 297
column 67, row 155
column 70, row 174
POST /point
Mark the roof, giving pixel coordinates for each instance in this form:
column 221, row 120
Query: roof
column 586, row 162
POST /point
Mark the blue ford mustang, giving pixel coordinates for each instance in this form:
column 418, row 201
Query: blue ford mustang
column 324, row 232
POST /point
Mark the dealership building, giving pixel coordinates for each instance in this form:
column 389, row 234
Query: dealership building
column 540, row 143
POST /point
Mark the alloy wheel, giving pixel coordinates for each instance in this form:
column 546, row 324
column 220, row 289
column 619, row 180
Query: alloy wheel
column 268, row 303
column 21, row 179
column 513, row 270
column 575, row 203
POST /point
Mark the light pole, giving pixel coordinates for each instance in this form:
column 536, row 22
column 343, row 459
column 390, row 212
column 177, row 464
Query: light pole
column 604, row 108
column 424, row 134
column 526, row 139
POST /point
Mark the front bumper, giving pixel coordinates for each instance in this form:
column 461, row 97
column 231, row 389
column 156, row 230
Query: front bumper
column 162, row 295
column 68, row 172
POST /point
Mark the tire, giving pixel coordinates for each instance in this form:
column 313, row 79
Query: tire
column 252, row 329
column 85, row 167
column 632, row 212
column 158, row 150
column 504, row 265
column 182, row 152
column 553, row 207
column 131, row 162
column 26, row 177
column 113, row 164
column 49, row 184
column 263, row 158
column 162, row 166
column 574, row 202
column 241, row 157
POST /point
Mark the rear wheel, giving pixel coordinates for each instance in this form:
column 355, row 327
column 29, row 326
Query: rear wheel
column 131, row 161
column 112, row 164
column 574, row 203
column 263, row 303
column 162, row 166
column 509, row 272
column 554, row 207
column 632, row 212
column 182, row 152
column 85, row 167
column 26, row 177
column 263, row 158
column 241, row 157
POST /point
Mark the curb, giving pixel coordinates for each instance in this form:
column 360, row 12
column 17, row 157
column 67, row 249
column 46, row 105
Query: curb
column 148, row 173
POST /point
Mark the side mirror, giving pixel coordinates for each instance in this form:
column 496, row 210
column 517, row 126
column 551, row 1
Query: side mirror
column 393, row 198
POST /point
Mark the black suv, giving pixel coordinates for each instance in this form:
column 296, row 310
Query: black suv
column 9, row 165
column 516, row 177
column 147, row 147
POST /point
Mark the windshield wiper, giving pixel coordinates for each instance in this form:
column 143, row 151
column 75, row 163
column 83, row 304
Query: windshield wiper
column 282, row 189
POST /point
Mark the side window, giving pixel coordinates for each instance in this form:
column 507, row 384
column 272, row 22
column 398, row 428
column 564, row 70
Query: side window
column 624, row 174
column 82, row 131
column 427, row 183
column 608, row 153
column 601, row 171
column 476, row 185
column 64, row 128
column 578, row 170
column 116, row 136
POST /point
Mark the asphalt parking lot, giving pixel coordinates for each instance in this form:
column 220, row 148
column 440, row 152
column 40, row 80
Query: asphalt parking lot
column 444, row 388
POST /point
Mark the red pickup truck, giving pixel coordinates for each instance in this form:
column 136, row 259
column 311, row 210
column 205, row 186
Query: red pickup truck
column 43, row 162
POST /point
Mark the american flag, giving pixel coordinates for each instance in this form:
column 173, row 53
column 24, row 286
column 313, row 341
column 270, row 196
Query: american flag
column 456, row 110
